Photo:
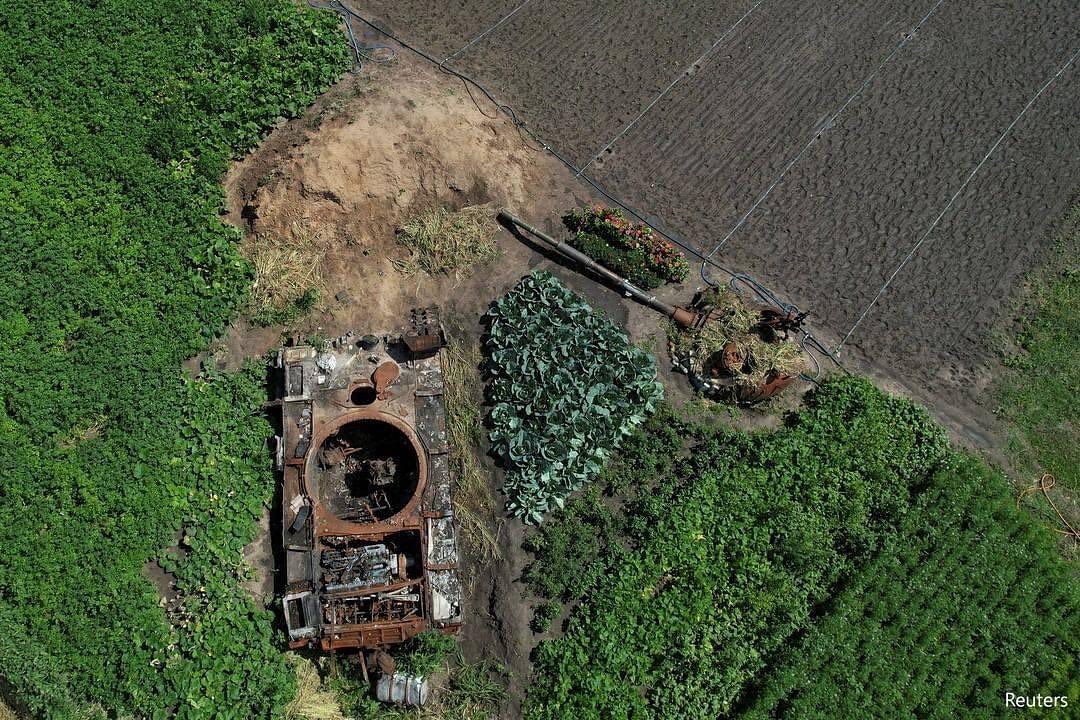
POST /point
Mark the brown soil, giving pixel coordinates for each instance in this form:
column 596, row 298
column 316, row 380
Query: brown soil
column 852, row 208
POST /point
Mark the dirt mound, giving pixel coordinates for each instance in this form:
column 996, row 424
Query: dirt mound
column 365, row 159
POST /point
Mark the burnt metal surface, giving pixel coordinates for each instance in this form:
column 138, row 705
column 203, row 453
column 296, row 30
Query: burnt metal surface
column 368, row 531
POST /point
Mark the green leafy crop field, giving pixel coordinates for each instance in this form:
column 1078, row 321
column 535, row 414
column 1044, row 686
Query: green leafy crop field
column 117, row 119
column 733, row 570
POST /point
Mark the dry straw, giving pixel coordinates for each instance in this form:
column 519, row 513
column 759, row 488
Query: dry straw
column 441, row 241
column 474, row 506
column 285, row 267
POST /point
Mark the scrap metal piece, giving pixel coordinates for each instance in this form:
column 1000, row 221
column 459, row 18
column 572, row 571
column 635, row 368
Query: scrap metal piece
column 425, row 333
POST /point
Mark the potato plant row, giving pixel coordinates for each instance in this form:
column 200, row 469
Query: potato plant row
column 970, row 600
column 118, row 120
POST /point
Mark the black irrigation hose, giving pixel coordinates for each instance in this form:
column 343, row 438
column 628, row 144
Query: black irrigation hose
column 361, row 53
column 808, row 337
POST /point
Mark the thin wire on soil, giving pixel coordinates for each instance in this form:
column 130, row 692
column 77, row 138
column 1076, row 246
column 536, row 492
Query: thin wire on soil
column 821, row 130
column 956, row 195
column 485, row 33
column 1045, row 485
column 685, row 74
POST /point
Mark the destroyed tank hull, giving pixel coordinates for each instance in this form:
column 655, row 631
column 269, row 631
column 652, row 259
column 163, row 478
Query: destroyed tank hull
column 368, row 533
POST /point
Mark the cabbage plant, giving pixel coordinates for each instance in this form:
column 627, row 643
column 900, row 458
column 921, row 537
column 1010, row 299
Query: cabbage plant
column 565, row 386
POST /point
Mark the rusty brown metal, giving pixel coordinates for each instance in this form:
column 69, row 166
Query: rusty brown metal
column 774, row 321
column 773, row 384
column 425, row 333
column 732, row 358
column 384, row 376
column 685, row 317
column 370, row 555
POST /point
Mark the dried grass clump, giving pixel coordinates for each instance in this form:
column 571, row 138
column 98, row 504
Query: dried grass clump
column 441, row 241
column 286, row 268
column 313, row 700
column 474, row 506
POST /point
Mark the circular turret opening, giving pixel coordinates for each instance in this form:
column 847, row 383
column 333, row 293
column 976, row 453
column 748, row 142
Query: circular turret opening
column 367, row 471
column 363, row 395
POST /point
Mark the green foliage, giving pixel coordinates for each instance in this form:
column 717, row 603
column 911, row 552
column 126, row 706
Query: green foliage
column 470, row 691
column 727, row 551
column 632, row 250
column 565, row 387
column 627, row 262
column 426, row 653
column 117, row 121
column 543, row 615
column 567, row 549
column 294, row 310
column 849, row 560
column 474, row 691
column 82, row 622
column 1039, row 395
column 969, row 600
column 353, row 694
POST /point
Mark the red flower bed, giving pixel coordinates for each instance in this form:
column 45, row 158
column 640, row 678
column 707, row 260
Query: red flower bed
column 612, row 227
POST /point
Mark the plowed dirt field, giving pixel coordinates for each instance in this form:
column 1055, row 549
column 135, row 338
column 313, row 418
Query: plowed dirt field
column 745, row 86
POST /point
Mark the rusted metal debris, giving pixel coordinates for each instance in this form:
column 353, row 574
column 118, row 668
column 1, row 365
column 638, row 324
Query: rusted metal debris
column 773, row 321
column 368, row 535
column 693, row 317
column 732, row 363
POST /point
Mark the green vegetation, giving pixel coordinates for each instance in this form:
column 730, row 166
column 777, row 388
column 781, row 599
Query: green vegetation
column 459, row 690
column 724, row 556
column 82, row 622
column 426, row 653
column 543, row 615
column 474, row 506
column 631, row 250
column 567, row 550
column 117, row 121
column 966, row 602
column 441, row 241
column 1039, row 397
column 565, row 387
column 294, row 310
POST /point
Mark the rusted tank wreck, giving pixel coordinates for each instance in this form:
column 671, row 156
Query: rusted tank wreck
column 368, row 534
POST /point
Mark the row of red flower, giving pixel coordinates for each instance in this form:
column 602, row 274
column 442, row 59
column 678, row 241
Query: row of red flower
column 611, row 226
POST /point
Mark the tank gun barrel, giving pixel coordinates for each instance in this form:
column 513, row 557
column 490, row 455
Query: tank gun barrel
column 682, row 316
